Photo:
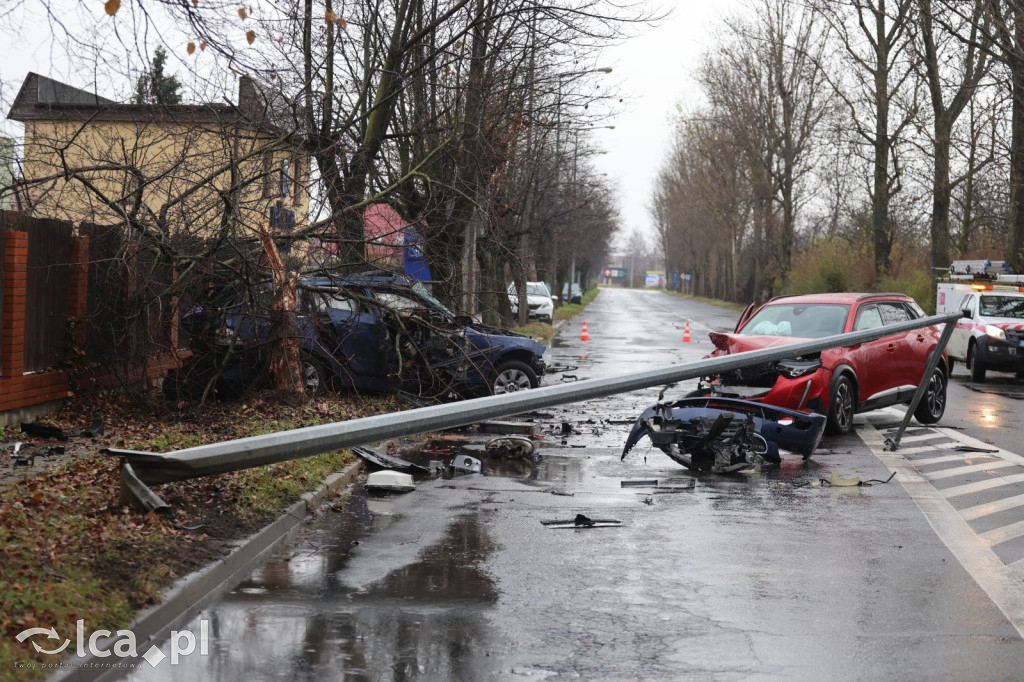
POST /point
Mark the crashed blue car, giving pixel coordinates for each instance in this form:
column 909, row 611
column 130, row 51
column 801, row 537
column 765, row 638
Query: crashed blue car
column 725, row 435
column 376, row 332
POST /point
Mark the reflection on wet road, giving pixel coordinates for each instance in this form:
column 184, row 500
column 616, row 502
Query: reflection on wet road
column 758, row 576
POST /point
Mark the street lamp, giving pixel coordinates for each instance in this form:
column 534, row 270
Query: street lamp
column 572, row 207
column 524, row 238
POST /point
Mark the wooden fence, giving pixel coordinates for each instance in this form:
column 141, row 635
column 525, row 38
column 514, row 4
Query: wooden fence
column 46, row 301
column 88, row 304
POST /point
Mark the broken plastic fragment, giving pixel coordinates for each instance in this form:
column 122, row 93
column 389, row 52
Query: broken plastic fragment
column 838, row 480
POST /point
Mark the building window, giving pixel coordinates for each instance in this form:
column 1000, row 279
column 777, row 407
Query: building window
column 286, row 178
column 268, row 174
column 298, row 177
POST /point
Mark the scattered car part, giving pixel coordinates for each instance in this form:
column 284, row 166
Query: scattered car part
column 678, row 427
column 639, row 483
column 838, row 481
column 388, row 481
column 381, row 460
column 467, row 464
column 43, row 431
column 710, row 444
column 511, row 447
column 95, row 429
column 974, row 448
column 24, row 454
column 582, row 521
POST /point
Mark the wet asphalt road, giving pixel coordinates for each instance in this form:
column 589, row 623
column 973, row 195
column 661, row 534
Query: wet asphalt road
column 722, row 578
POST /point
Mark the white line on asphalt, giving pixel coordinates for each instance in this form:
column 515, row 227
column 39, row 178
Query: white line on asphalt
column 936, row 460
column 979, row 486
column 970, row 468
column 926, row 448
column 1000, row 581
column 921, row 437
column 1004, row 533
column 980, row 510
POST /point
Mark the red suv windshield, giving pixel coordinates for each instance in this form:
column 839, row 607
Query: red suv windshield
column 800, row 320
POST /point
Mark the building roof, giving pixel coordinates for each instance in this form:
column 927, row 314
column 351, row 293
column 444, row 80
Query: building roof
column 44, row 99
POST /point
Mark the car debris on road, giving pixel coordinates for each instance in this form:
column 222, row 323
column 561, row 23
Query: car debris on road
column 582, row 521
column 381, row 460
column 725, row 435
column 511, row 447
column 388, row 481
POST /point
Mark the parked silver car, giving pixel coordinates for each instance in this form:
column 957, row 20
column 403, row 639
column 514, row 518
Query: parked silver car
column 538, row 298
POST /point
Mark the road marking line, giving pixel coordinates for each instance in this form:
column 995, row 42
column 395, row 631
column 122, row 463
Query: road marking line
column 1001, row 582
column 1004, row 533
column 979, row 486
column 926, row 448
column 937, row 460
column 920, row 437
column 970, row 468
column 976, row 512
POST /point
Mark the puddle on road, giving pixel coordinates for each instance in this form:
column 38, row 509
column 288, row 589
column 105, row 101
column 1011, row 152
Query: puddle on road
column 298, row 616
column 547, row 469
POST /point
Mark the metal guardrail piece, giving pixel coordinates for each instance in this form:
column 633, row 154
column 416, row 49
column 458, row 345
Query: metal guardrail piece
column 134, row 492
column 255, row 451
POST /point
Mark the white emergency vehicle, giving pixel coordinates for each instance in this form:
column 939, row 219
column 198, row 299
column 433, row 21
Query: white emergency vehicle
column 990, row 336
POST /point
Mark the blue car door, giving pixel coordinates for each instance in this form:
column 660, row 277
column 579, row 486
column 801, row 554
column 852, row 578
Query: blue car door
column 356, row 339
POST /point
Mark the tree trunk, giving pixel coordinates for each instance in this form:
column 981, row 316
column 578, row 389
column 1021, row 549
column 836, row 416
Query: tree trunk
column 285, row 360
column 1015, row 242
column 880, row 183
column 941, row 192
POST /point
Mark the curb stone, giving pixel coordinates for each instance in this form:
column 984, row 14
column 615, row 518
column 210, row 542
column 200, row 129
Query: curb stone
column 183, row 600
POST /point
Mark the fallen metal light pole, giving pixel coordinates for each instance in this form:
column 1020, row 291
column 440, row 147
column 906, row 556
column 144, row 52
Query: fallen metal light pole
column 254, row 451
column 893, row 443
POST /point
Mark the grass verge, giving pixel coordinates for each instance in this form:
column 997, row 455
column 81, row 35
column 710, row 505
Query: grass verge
column 69, row 551
column 534, row 330
column 568, row 310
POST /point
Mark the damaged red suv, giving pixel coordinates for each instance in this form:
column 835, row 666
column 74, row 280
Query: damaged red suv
column 841, row 381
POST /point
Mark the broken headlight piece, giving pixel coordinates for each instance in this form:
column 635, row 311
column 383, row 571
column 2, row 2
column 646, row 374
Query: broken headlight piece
column 798, row 367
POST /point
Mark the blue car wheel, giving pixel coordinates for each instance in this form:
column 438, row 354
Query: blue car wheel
column 512, row 376
column 314, row 380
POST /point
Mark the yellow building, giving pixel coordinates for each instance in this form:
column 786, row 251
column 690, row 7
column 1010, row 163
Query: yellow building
column 182, row 170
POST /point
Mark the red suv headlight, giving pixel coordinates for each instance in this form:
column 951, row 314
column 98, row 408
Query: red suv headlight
column 798, row 367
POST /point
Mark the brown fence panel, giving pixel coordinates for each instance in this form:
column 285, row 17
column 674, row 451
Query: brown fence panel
column 46, row 302
column 106, row 306
column 130, row 309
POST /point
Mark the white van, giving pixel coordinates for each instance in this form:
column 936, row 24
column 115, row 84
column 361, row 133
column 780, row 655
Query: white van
column 991, row 333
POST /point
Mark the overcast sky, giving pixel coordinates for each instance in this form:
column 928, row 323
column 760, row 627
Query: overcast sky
column 653, row 71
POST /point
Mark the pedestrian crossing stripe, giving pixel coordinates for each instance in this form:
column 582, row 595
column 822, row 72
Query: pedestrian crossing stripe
column 999, row 579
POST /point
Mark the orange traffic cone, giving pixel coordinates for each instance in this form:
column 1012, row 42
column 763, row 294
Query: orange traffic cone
column 584, row 336
column 686, row 333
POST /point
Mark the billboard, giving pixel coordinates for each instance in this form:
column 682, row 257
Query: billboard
column 655, row 278
column 615, row 273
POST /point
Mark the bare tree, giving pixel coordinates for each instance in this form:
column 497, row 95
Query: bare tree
column 973, row 64
column 876, row 36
